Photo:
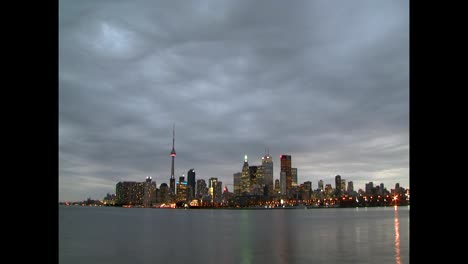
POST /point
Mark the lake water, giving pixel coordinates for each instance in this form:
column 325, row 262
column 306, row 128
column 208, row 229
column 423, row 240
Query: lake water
column 144, row 235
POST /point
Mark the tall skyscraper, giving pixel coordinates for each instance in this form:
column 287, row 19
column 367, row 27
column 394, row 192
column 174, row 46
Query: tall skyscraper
column 267, row 164
column 283, row 183
column 306, row 190
column 212, row 187
column 259, row 177
column 182, row 189
column 338, row 182
column 201, row 188
column 343, row 185
column 164, row 193
column 369, row 187
column 255, row 180
column 350, row 187
column 286, row 168
column 320, row 185
column 237, row 183
column 218, row 192
column 245, row 178
column 253, row 174
column 173, row 154
column 149, row 192
column 294, row 176
column 397, row 186
column 191, row 182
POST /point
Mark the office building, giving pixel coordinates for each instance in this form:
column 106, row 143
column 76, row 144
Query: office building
column 267, row 164
column 164, row 192
column 191, row 183
column 237, row 183
column 149, row 192
column 294, row 176
column 350, row 187
column 286, row 168
column 181, row 189
column 212, row 188
column 277, row 186
column 201, row 188
column 283, row 183
column 129, row 193
column 338, row 183
column 245, row 178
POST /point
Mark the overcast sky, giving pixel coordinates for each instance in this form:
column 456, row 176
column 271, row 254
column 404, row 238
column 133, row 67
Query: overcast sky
column 326, row 82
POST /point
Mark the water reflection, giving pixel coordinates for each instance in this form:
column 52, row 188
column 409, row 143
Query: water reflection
column 116, row 235
column 397, row 237
column 245, row 240
column 281, row 242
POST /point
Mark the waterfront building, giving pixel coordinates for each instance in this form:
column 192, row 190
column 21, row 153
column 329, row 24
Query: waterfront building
column 237, row 183
column 245, row 177
column 277, row 186
column 267, row 164
column 343, row 185
column 320, row 185
column 369, row 187
column 129, row 193
column 201, row 188
column 306, row 190
column 350, row 187
column 286, row 168
column 109, row 199
column 191, row 183
column 149, row 192
column 259, row 180
column 227, row 195
column 338, row 183
column 283, row 182
column 294, row 176
column 218, row 192
column 212, row 188
column 164, row 192
column 253, row 175
column 181, row 189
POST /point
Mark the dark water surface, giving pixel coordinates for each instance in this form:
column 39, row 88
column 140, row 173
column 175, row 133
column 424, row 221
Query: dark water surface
column 143, row 235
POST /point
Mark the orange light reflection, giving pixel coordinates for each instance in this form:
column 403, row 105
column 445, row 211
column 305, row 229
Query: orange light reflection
column 397, row 237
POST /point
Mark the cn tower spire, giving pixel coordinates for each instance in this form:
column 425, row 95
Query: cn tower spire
column 173, row 154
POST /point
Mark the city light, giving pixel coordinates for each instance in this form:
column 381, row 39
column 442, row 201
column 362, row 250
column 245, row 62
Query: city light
column 137, row 194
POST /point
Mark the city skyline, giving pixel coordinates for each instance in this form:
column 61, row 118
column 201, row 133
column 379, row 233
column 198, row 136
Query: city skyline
column 324, row 82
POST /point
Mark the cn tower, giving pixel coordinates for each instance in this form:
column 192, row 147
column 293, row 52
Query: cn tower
column 173, row 154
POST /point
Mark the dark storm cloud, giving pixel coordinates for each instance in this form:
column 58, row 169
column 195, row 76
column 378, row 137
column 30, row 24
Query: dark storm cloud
column 324, row 81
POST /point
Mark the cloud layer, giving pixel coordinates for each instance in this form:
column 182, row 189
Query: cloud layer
column 324, row 81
